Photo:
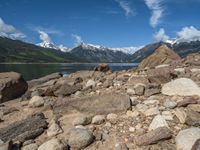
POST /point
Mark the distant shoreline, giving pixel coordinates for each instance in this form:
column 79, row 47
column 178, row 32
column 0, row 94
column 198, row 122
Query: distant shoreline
column 63, row 63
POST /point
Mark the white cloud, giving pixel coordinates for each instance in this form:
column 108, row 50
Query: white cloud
column 45, row 37
column 161, row 36
column 188, row 34
column 10, row 31
column 78, row 39
column 17, row 35
column 125, row 5
column 157, row 11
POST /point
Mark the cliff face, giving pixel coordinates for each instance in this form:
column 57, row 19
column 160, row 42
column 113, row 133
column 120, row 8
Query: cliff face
column 162, row 55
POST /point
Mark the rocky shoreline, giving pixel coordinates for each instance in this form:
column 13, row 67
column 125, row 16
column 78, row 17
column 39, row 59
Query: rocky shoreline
column 153, row 107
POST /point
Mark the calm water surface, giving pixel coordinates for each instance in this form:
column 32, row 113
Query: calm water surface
column 33, row 71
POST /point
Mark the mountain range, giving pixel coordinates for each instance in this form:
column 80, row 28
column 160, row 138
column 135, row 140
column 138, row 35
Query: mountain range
column 18, row 51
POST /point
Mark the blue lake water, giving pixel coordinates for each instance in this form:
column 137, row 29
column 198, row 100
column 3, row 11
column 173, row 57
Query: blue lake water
column 33, row 71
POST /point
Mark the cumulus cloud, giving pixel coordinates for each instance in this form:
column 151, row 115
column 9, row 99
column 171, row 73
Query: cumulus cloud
column 45, row 37
column 161, row 36
column 78, row 39
column 9, row 31
column 157, row 11
column 188, row 34
column 125, row 5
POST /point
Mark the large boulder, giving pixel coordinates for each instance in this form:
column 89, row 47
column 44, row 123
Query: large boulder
column 162, row 55
column 187, row 138
column 181, row 87
column 12, row 85
column 98, row 104
column 24, row 130
column 44, row 79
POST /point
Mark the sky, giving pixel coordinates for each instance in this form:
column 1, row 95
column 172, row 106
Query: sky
column 112, row 23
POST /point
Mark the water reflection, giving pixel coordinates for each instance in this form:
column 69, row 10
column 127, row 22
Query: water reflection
column 33, row 71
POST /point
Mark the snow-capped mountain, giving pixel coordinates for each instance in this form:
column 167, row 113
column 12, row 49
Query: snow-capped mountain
column 94, row 47
column 127, row 50
column 64, row 49
column 97, row 53
column 48, row 45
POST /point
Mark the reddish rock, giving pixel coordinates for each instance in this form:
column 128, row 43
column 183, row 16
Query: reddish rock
column 196, row 145
column 154, row 136
column 160, row 75
column 102, row 68
column 186, row 101
column 152, row 89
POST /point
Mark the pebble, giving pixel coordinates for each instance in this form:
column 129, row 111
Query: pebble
column 36, row 101
column 158, row 121
column 98, row 119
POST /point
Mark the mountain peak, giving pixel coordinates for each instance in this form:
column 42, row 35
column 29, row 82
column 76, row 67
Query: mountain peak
column 48, row 45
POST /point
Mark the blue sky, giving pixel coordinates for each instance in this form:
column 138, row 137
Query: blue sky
column 112, row 23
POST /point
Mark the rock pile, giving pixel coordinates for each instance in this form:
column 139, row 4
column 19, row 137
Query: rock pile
column 154, row 108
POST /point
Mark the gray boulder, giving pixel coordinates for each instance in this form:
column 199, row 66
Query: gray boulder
column 12, row 85
column 80, row 138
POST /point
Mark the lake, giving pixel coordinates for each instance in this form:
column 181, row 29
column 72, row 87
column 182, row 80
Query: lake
column 33, row 71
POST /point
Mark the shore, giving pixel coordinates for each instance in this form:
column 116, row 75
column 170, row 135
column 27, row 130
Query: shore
column 150, row 107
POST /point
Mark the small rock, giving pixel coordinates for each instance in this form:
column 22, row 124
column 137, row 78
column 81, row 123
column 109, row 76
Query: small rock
column 6, row 146
column 196, row 145
column 28, row 142
column 151, row 102
column 121, row 146
column 102, row 68
column 141, row 107
column 90, row 83
column 139, row 89
column 186, row 101
column 181, row 115
column 32, row 146
column 53, row 144
column 180, row 70
column 187, row 138
column 195, row 70
column 112, row 118
column 158, row 121
column 194, row 107
column 152, row 111
column 152, row 137
column 193, row 118
column 54, row 130
column 130, row 91
column 131, row 129
column 152, row 89
column 132, row 114
column 80, row 138
column 170, row 104
column 108, row 124
column 167, row 115
column 134, row 101
column 1, row 142
column 82, row 120
column 36, row 101
column 98, row 119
